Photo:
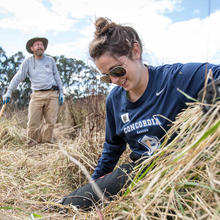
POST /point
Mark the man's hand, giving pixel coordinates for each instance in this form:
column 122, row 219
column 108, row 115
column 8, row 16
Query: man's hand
column 210, row 94
column 61, row 99
column 6, row 99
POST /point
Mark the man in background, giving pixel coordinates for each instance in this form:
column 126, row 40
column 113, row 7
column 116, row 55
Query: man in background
column 47, row 91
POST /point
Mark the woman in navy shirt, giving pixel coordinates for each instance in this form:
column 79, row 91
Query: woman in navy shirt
column 139, row 110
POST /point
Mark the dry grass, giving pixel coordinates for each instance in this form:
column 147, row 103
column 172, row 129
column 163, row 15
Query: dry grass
column 183, row 181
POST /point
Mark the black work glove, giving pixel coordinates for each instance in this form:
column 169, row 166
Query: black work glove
column 210, row 94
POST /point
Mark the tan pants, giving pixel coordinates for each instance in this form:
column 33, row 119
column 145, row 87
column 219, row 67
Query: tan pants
column 42, row 115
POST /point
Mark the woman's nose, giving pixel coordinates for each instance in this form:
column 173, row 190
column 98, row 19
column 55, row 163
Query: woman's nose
column 115, row 79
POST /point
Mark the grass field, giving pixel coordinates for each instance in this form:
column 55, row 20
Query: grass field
column 183, row 181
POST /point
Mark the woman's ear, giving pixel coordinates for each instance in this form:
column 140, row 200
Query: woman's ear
column 136, row 51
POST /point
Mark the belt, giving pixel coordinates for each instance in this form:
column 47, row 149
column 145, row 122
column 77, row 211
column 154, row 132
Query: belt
column 53, row 88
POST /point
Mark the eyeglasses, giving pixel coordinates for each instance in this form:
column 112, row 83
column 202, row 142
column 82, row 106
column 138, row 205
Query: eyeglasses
column 117, row 71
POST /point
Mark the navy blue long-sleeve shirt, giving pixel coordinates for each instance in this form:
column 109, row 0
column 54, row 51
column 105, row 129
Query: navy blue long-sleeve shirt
column 140, row 124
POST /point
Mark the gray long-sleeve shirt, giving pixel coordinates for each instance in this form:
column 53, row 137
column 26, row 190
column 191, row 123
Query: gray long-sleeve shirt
column 42, row 73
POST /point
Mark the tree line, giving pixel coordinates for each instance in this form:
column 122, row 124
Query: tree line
column 79, row 80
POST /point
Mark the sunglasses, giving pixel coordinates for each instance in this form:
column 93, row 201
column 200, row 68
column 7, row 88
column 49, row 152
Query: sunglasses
column 117, row 71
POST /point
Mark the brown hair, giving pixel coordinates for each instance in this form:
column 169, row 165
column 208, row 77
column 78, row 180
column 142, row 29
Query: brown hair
column 113, row 38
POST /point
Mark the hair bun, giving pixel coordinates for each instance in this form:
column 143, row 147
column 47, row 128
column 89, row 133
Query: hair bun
column 112, row 38
column 102, row 26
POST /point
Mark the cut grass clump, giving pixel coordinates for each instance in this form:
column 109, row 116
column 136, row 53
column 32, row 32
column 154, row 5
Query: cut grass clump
column 184, row 182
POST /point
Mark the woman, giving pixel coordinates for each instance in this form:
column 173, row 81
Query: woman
column 139, row 109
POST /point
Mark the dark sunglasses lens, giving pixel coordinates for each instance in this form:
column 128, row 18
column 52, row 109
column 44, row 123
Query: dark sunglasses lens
column 118, row 71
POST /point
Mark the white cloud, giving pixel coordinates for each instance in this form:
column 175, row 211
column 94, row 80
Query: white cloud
column 187, row 41
column 167, row 40
column 70, row 50
column 31, row 16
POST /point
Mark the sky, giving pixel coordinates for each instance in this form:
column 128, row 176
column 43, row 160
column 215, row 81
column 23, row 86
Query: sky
column 171, row 30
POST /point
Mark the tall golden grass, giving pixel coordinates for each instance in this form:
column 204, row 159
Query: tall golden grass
column 182, row 182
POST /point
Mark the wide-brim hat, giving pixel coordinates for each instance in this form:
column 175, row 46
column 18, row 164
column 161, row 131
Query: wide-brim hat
column 30, row 43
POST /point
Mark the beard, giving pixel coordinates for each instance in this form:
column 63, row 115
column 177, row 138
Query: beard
column 39, row 52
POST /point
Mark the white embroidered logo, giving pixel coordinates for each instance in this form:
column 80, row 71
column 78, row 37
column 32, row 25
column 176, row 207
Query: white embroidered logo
column 150, row 142
column 158, row 93
column 125, row 118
